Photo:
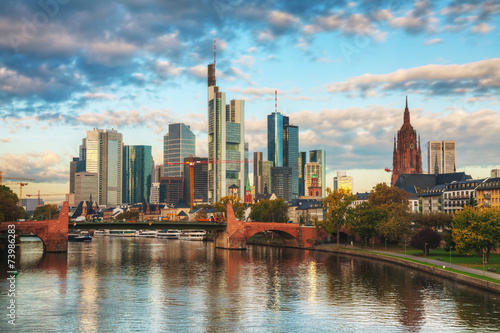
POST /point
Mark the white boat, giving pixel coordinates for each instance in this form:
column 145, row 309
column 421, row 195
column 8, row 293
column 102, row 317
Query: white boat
column 169, row 234
column 101, row 232
column 194, row 235
column 122, row 233
column 146, row 233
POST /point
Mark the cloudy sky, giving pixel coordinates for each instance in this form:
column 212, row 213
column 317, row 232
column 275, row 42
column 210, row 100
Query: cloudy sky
column 341, row 68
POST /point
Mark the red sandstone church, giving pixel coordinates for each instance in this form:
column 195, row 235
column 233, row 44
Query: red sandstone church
column 407, row 157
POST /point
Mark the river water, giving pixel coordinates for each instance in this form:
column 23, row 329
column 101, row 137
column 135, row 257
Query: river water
column 153, row 285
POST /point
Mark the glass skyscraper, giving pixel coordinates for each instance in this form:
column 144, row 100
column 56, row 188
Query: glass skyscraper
column 319, row 156
column 302, row 168
column 291, row 155
column 178, row 143
column 275, row 123
column 137, row 166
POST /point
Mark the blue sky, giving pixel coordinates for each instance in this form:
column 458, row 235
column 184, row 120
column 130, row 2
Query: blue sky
column 341, row 68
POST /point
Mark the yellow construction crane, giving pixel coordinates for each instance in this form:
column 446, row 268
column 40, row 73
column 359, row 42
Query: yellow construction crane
column 14, row 178
column 20, row 191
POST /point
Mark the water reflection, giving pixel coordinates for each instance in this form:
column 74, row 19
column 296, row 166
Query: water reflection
column 115, row 284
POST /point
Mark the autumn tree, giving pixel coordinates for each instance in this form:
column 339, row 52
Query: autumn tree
column 477, row 230
column 338, row 208
column 269, row 211
column 425, row 240
column 238, row 206
column 364, row 221
column 45, row 212
column 9, row 209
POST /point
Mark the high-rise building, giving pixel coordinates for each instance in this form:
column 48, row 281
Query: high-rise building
column 319, row 156
column 86, row 187
column 154, row 197
column 275, row 125
column 137, row 176
column 200, row 180
column 226, row 141
column 281, row 182
column 441, row 157
column 104, row 151
column 257, row 173
column 312, row 169
column 265, row 167
column 407, row 156
column 171, row 189
column 495, row 173
column 302, row 169
column 342, row 181
column 291, row 155
column 178, row 143
column 77, row 165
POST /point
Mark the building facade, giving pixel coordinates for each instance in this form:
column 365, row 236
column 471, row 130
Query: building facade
column 200, row 180
column 407, row 155
column 281, row 182
column 495, row 173
column 457, row 194
column 275, row 124
column 137, row 174
column 342, row 181
column 319, row 156
column 302, row 170
column 178, row 143
column 104, row 156
column 488, row 193
column 312, row 169
column 86, row 186
column 291, row 155
column 257, row 173
column 431, row 201
column 441, row 157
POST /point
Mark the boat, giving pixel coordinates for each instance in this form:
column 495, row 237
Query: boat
column 122, row 233
column 169, row 234
column 194, row 235
column 84, row 236
column 146, row 233
column 101, row 232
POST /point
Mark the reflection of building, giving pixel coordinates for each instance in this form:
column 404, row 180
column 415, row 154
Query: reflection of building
column 488, row 193
column 407, row 156
column 441, row 157
column 104, row 149
column 342, row 181
column 178, row 143
column 226, row 141
column 137, row 167
column 86, row 186
column 319, row 156
column 281, row 182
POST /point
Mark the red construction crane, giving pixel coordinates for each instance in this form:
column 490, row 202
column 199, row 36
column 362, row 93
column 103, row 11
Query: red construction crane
column 191, row 163
column 43, row 195
column 388, row 170
column 15, row 178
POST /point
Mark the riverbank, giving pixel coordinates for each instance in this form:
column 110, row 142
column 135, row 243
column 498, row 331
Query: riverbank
column 482, row 279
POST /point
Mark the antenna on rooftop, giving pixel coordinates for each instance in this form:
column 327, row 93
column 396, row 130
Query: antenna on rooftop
column 214, row 60
column 276, row 101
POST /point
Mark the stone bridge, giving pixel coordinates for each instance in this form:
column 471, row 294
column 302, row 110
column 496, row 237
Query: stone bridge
column 53, row 233
column 238, row 232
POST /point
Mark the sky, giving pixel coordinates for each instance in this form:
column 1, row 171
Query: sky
column 342, row 70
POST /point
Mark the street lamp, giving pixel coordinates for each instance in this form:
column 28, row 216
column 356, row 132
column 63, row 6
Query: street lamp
column 425, row 250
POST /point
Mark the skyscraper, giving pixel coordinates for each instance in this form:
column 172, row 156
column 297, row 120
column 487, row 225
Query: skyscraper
column 302, row 169
column 200, row 180
column 178, row 143
column 137, row 177
column 226, row 142
column 313, row 169
column 257, row 173
column 319, row 156
column 281, row 182
column 291, row 155
column 342, row 181
column 86, row 186
column 104, row 151
column 441, row 157
column 275, row 122
column 407, row 156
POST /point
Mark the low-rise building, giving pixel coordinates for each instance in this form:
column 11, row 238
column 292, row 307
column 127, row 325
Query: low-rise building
column 431, row 201
column 488, row 193
column 305, row 211
column 457, row 194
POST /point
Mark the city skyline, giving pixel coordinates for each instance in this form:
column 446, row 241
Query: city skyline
column 341, row 69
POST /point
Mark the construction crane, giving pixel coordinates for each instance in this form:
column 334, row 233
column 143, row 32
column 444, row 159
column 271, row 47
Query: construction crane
column 14, row 178
column 20, row 191
column 387, row 170
column 192, row 163
column 43, row 195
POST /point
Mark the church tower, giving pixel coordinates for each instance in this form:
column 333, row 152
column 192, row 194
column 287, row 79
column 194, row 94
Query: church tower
column 407, row 156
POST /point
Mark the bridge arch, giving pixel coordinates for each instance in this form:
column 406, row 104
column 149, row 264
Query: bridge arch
column 288, row 238
column 4, row 230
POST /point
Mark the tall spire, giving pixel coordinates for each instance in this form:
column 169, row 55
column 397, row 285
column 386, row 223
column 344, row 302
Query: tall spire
column 275, row 101
column 407, row 113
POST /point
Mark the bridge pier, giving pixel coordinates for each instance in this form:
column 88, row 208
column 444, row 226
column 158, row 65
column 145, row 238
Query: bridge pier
column 233, row 238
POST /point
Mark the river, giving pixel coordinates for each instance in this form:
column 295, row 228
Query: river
column 153, row 285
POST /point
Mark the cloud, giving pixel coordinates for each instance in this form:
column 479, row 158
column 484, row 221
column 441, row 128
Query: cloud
column 476, row 77
column 245, row 60
column 482, row 28
column 5, row 140
column 417, row 20
column 433, row 41
column 99, row 96
column 44, row 166
column 166, row 69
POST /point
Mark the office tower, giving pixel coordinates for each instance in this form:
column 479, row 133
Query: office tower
column 104, row 150
column 226, row 141
column 313, row 169
column 171, row 189
column 291, row 155
column 178, row 143
column 302, row 169
column 281, row 182
column 158, row 173
column 265, row 167
column 441, row 157
column 246, row 163
column 275, row 124
column 342, row 181
column 154, row 197
column 257, row 173
column 319, row 156
column 200, row 176
column 407, row 156
column 137, row 176
column 86, row 186
column 495, row 173
column 77, row 165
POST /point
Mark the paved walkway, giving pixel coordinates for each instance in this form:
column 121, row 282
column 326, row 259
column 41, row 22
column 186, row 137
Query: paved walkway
column 441, row 263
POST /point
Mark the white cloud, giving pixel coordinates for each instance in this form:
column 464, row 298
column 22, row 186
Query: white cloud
column 5, row 140
column 433, row 41
column 482, row 28
column 245, row 60
column 166, row 69
column 199, row 71
column 43, row 166
column 89, row 95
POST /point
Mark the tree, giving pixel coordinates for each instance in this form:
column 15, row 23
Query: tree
column 45, row 212
column 472, row 200
column 338, row 207
column 364, row 221
column 9, row 209
column 425, row 240
column 269, row 211
column 432, row 220
column 382, row 194
column 238, row 205
column 477, row 230
column 128, row 215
